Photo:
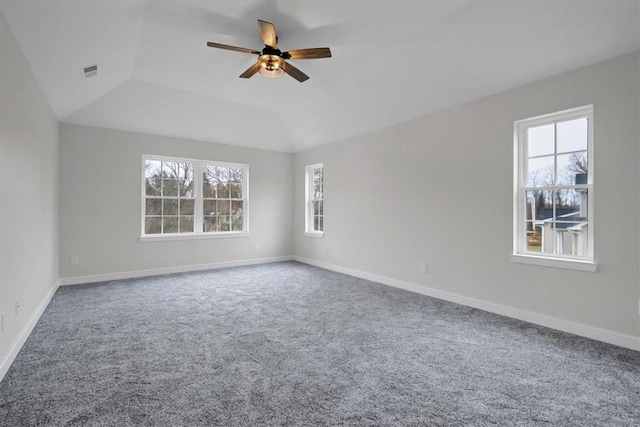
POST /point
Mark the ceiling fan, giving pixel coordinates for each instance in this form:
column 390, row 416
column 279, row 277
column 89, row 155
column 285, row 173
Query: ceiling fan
column 271, row 61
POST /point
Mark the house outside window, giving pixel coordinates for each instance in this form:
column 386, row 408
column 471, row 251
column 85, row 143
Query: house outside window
column 553, row 197
column 314, row 218
column 193, row 198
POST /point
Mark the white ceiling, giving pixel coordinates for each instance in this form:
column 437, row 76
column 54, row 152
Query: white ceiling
column 392, row 60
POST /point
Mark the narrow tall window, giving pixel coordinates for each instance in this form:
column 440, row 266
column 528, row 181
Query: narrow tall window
column 314, row 218
column 193, row 197
column 553, row 214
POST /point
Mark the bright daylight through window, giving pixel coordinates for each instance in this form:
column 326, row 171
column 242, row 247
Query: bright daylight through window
column 554, row 186
column 314, row 218
column 193, row 197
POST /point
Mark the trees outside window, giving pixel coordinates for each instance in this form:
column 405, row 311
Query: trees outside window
column 554, row 185
column 183, row 196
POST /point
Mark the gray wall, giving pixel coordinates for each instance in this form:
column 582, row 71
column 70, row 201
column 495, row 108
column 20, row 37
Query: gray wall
column 438, row 190
column 28, row 194
column 100, row 203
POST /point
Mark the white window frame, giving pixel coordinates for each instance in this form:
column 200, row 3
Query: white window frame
column 198, row 233
column 520, row 253
column 309, row 212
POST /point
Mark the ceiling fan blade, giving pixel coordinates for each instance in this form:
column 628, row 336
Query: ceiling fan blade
column 313, row 53
column 250, row 71
column 295, row 73
column 234, row 48
column 268, row 33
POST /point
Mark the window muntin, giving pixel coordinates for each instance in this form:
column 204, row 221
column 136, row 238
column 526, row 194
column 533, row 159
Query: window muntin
column 314, row 222
column 554, row 186
column 193, row 197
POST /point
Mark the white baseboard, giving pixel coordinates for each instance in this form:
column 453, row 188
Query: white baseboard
column 77, row 280
column 22, row 338
column 598, row 334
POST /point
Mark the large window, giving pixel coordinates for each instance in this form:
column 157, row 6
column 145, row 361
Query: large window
column 314, row 218
column 183, row 197
column 553, row 214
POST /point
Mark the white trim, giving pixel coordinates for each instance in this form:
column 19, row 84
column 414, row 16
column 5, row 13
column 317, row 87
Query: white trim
column 569, row 264
column 611, row 337
column 78, row 280
column 314, row 233
column 184, row 236
column 15, row 348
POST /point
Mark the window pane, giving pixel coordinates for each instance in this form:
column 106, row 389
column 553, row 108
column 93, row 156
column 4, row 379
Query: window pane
column 186, row 224
column 187, row 206
column 209, row 224
column 152, row 168
column 170, row 224
column 170, row 170
column 320, row 225
column 224, row 223
column 534, row 237
column 169, row 188
column 209, row 207
column 153, row 186
column 235, row 175
column 170, row 207
column 222, row 190
column 539, row 205
column 569, row 205
column 208, row 190
column 236, row 223
column 223, row 174
column 572, row 135
column 153, row 207
column 152, row 225
column 224, row 207
column 572, row 168
column 237, row 208
column 185, row 188
column 540, row 140
column 540, row 171
column 209, row 180
column 235, row 190
column 185, row 172
column 317, row 175
column 571, row 238
column 316, row 223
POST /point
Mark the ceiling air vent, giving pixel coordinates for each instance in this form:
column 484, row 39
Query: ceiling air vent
column 90, row 71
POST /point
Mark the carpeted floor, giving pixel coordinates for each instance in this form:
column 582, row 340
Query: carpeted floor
column 290, row 344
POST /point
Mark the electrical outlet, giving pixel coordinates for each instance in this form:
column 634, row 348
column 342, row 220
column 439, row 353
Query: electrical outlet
column 74, row 260
column 256, row 247
column 424, row 268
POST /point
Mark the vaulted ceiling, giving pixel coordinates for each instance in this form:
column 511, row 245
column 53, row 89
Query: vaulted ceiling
column 392, row 60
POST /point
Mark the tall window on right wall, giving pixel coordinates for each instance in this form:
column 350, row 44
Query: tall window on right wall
column 553, row 197
column 314, row 206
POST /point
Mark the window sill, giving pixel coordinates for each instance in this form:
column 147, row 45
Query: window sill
column 163, row 238
column 313, row 234
column 570, row 264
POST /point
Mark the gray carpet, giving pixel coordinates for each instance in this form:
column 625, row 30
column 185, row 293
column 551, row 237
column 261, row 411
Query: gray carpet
column 290, row 344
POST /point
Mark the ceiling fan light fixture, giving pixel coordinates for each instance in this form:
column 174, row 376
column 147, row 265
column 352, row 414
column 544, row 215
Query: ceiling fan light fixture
column 271, row 66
